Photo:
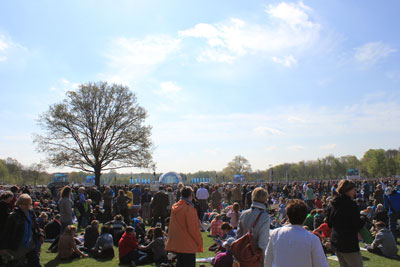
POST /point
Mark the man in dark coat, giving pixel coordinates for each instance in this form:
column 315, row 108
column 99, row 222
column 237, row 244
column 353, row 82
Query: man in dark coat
column 344, row 219
column 159, row 206
column 107, row 198
column 216, row 198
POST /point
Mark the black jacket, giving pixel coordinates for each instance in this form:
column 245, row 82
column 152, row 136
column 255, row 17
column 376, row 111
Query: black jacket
column 4, row 212
column 344, row 218
column 52, row 229
column 91, row 235
column 14, row 229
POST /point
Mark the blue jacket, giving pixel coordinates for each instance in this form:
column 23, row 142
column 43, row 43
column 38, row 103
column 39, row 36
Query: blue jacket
column 394, row 200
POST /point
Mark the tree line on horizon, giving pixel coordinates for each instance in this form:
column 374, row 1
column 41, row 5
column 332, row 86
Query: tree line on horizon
column 374, row 163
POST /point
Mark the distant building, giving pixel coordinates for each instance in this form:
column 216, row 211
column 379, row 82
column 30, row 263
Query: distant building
column 170, row 178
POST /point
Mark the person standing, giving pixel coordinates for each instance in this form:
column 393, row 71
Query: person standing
column 202, row 196
column 378, row 194
column 171, row 199
column 292, row 245
column 344, row 219
column 184, row 237
column 366, row 190
column 216, row 198
column 159, row 206
column 5, row 199
column 248, row 217
column 65, row 204
column 21, row 236
column 392, row 204
column 310, row 197
column 107, row 198
column 236, row 194
column 136, row 200
column 145, row 201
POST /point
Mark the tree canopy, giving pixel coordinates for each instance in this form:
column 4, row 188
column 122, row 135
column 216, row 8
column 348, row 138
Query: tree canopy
column 239, row 165
column 98, row 127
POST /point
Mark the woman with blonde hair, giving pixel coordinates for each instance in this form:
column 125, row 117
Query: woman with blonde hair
column 258, row 210
column 21, row 236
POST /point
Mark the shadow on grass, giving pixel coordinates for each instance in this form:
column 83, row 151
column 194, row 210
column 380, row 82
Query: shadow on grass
column 55, row 262
column 365, row 258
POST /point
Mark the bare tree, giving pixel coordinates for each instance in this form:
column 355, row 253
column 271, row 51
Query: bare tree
column 98, row 127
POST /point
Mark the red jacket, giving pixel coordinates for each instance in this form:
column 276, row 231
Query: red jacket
column 126, row 244
column 184, row 229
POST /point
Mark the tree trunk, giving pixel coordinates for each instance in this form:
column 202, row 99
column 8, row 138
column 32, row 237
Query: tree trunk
column 97, row 173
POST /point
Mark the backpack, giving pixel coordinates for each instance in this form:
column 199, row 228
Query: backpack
column 244, row 249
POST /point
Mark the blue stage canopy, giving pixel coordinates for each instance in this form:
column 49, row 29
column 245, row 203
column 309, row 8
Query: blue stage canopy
column 170, row 178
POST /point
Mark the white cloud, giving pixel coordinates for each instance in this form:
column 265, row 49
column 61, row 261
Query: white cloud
column 296, row 148
column 262, row 130
column 293, row 14
column 275, row 126
column 169, row 87
column 130, row 58
column 328, row 147
column 8, row 47
column 371, row 53
column 290, row 29
column 287, row 61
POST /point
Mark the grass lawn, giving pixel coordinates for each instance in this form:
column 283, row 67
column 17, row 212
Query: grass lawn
column 48, row 259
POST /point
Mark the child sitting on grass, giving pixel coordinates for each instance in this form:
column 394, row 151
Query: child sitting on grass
column 216, row 226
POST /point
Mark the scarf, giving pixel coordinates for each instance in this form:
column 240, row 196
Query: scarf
column 26, row 238
column 188, row 201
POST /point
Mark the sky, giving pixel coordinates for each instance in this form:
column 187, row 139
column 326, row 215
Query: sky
column 273, row 81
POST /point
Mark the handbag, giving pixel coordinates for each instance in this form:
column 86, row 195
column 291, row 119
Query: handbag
column 244, row 249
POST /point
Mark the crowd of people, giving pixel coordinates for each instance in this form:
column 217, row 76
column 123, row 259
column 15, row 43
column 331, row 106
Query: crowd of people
column 290, row 224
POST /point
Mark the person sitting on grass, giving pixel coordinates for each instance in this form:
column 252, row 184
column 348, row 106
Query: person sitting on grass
column 384, row 243
column 91, row 235
column 53, row 228
column 224, row 259
column 42, row 220
column 216, row 226
column 104, row 244
column 67, row 249
column 324, row 230
column 156, row 248
column 117, row 225
column 128, row 248
column 228, row 231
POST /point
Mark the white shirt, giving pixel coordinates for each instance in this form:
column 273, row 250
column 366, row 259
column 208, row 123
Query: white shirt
column 292, row 245
column 202, row 193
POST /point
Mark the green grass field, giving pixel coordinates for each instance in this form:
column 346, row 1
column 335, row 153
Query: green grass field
column 48, row 259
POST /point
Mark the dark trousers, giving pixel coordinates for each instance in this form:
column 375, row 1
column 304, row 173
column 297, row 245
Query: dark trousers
column 185, row 260
column 107, row 213
column 375, row 250
column 393, row 222
column 159, row 218
column 203, row 207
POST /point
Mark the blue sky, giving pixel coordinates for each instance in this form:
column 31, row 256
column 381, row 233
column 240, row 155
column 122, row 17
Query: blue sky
column 273, row 81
